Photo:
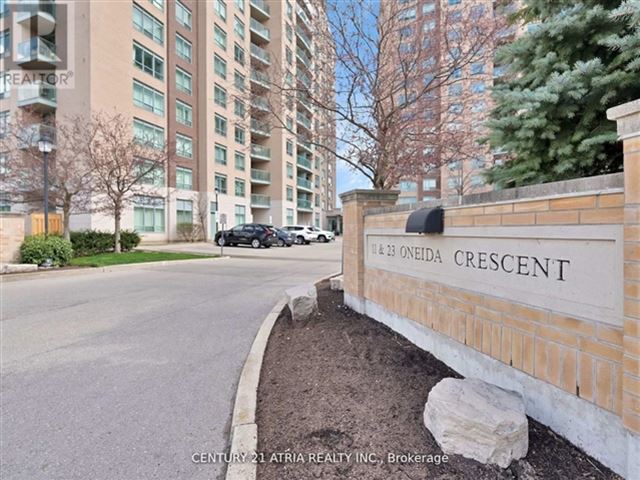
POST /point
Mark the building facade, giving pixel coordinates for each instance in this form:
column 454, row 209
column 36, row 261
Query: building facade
column 197, row 74
column 443, row 29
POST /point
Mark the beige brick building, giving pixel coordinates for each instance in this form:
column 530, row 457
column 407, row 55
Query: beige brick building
column 195, row 73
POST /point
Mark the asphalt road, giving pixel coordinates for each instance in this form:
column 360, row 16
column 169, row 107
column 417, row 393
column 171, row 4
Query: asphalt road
column 126, row 374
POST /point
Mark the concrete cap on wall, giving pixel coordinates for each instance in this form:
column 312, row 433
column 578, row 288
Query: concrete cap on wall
column 627, row 117
column 362, row 194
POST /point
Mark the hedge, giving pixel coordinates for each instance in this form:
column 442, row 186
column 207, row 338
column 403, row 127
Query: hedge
column 38, row 248
column 93, row 242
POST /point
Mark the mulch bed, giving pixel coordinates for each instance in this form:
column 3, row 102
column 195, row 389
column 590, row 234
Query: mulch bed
column 344, row 383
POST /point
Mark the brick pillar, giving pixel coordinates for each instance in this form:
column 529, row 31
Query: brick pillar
column 627, row 117
column 354, row 204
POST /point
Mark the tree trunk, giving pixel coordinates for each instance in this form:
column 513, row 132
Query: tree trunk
column 66, row 209
column 116, row 234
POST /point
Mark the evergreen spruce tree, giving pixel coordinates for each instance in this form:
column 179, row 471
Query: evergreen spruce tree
column 576, row 60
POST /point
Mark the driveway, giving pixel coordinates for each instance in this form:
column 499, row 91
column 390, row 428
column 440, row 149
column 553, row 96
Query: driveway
column 127, row 374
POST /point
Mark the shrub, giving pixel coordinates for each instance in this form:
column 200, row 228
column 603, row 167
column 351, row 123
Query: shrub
column 38, row 248
column 129, row 240
column 93, row 242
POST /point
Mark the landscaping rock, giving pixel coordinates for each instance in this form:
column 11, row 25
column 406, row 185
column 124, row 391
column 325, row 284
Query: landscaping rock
column 477, row 420
column 302, row 301
column 18, row 268
column 336, row 283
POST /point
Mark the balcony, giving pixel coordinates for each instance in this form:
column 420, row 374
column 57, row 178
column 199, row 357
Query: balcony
column 303, row 120
column 304, row 38
column 304, row 204
column 260, row 9
column 304, row 184
column 40, row 97
column 259, row 32
column 37, row 15
column 260, row 129
column 260, row 102
column 260, row 177
column 304, row 58
column 305, row 103
column 260, row 201
column 303, row 144
column 29, row 136
column 37, row 53
column 305, row 163
column 260, row 54
column 260, row 78
column 304, row 17
column 259, row 152
column 304, row 79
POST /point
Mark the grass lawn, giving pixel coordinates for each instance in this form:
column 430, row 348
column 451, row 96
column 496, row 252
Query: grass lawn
column 108, row 259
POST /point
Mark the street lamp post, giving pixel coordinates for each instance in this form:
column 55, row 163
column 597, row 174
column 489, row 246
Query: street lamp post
column 45, row 145
column 217, row 209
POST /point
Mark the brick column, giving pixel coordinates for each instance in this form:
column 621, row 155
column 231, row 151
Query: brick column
column 354, row 204
column 627, row 117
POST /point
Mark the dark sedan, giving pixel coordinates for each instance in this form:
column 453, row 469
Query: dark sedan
column 252, row 234
column 284, row 238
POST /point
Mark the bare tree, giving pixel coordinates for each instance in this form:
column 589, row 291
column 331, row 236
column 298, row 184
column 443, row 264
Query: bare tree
column 122, row 163
column 392, row 81
column 69, row 174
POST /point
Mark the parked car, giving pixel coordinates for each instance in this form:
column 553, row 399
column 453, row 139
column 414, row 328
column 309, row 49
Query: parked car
column 252, row 234
column 303, row 234
column 323, row 236
column 283, row 238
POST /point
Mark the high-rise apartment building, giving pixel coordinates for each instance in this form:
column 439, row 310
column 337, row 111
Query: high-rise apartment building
column 195, row 73
column 445, row 30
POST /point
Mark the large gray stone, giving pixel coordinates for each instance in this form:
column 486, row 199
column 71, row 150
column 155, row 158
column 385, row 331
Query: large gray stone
column 477, row 420
column 302, row 301
column 336, row 283
column 17, row 268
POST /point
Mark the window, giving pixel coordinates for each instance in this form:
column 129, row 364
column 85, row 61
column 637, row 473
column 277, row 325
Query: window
column 455, row 108
column 428, row 183
column 456, row 74
column 317, row 199
column 184, row 146
column 184, row 178
column 238, row 27
column 219, row 95
column 239, row 160
column 184, row 113
column 220, row 152
column 3, row 163
column 148, row 214
column 238, row 80
column 428, row 25
column 408, row 186
column 289, row 147
column 220, row 67
column 477, row 87
column 183, row 48
column 290, row 194
column 454, row 165
column 477, row 181
column 290, row 216
column 148, row 98
column 289, row 10
column 5, row 43
column 148, row 134
column 288, row 55
column 183, row 81
column 5, row 202
column 240, row 214
column 428, row 7
column 5, row 85
column 406, row 200
column 220, row 37
column 289, row 32
column 478, row 106
column 454, row 2
column 455, row 90
column 477, row 11
column 477, row 68
column 240, row 5
column 157, row 3
column 238, row 54
column 239, row 135
column 239, row 187
column 147, row 61
column 184, row 211
column 406, row 48
column 407, row 14
column 221, row 183
column 289, row 170
column 183, row 15
column 220, row 125
column 148, row 25
column 478, row 162
column 4, row 120
column 220, row 7
column 454, row 35
column 289, row 122
column 239, row 108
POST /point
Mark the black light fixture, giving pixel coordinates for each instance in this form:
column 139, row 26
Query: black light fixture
column 426, row 220
column 45, row 145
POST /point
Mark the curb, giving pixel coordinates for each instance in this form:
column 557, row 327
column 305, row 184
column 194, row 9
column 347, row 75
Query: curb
column 15, row 277
column 244, row 430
